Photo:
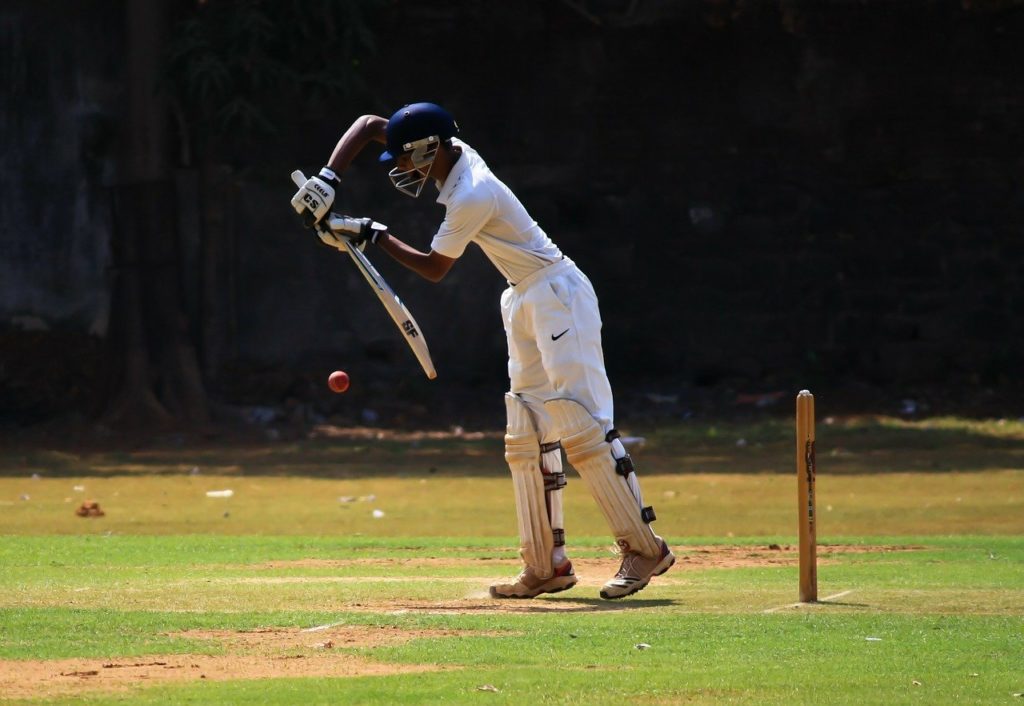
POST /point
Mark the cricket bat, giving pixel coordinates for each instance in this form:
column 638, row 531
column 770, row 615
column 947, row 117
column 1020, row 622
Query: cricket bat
column 396, row 309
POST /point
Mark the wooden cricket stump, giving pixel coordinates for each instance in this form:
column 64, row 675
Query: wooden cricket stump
column 805, row 471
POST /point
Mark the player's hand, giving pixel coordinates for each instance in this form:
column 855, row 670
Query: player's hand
column 314, row 199
column 329, row 237
column 358, row 231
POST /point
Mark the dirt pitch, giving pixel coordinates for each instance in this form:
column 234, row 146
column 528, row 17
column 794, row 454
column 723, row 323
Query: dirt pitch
column 320, row 651
column 258, row 654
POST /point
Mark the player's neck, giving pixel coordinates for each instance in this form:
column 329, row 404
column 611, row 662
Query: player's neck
column 444, row 162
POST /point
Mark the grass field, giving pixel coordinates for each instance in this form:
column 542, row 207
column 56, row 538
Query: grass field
column 352, row 567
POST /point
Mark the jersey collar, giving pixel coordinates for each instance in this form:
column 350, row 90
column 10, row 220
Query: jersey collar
column 460, row 167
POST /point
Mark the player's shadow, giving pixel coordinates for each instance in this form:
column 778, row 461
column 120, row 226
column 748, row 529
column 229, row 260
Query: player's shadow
column 588, row 605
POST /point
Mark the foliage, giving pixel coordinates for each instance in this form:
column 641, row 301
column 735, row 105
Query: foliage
column 235, row 68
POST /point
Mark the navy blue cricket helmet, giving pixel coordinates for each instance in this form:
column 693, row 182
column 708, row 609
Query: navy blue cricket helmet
column 415, row 122
column 417, row 129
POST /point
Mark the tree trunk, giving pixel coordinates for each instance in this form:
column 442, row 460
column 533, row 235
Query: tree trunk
column 131, row 399
column 219, row 331
column 148, row 285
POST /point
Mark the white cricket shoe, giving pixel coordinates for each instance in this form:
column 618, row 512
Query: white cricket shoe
column 637, row 571
column 529, row 585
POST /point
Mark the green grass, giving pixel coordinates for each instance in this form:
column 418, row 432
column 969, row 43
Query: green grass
column 722, row 659
column 724, row 504
column 938, row 621
column 946, row 615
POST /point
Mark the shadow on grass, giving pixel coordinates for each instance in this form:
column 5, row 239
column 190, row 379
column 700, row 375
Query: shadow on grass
column 813, row 606
column 587, row 605
column 842, row 604
column 548, row 605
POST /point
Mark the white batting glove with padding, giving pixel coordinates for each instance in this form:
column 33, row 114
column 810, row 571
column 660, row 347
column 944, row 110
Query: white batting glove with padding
column 358, row 230
column 330, row 238
column 314, row 199
column 337, row 231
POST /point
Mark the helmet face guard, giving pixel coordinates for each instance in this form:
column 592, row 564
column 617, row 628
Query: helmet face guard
column 423, row 153
column 417, row 129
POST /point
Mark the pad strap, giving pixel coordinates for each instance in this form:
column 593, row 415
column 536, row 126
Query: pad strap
column 624, row 465
column 590, row 453
column 550, row 446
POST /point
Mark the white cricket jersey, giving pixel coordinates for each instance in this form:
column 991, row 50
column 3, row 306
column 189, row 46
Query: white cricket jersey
column 482, row 210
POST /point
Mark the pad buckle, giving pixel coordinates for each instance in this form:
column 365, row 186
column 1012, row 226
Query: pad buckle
column 647, row 514
column 624, row 465
column 551, row 446
column 554, row 481
column 559, row 535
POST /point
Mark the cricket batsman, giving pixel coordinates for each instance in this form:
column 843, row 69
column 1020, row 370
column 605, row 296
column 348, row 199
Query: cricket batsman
column 559, row 396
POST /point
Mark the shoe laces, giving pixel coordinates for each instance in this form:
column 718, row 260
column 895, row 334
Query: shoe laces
column 626, row 570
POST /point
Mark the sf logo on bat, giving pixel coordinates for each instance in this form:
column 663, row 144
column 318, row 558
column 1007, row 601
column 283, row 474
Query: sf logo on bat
column 410, row 329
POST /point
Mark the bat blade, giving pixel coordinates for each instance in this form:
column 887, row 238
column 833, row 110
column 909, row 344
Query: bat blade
column 398, row 312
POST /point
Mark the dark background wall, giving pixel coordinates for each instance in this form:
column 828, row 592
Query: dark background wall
column 767, row 195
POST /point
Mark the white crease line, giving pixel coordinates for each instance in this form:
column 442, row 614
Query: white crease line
column 826, row 599
column 318, row 628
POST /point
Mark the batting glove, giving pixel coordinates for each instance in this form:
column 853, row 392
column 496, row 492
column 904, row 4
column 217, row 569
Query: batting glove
column 337, row 231
column 358, row 230
column 314, row 199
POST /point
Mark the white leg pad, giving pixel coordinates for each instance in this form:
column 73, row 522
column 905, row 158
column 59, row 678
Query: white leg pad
column 522, row 452
column 591, row 455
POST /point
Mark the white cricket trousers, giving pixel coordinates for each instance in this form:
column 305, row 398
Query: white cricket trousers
column 553, row 326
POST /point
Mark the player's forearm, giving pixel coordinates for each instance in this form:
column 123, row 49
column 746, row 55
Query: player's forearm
column 366, row 129
column 430, row 265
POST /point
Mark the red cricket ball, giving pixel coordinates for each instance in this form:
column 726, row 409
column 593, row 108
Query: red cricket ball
column 338, row 381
